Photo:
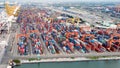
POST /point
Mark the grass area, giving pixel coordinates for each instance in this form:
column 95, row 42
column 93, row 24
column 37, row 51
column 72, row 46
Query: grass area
column 72, row 57
column 17, row 61
column 32, row 59
column 97, row 57
column 94, row 57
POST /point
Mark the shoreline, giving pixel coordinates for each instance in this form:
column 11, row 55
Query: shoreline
column 79, row 59
column 60, row 60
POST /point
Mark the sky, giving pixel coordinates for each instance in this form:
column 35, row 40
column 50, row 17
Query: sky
column 65, row 0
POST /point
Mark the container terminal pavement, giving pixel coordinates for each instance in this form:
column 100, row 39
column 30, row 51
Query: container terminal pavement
column 51, row 34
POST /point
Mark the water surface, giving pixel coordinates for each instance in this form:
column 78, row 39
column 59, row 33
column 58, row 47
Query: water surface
column 83, row 64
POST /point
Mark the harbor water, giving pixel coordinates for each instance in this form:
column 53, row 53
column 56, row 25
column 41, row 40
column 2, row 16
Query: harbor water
column 83, row 64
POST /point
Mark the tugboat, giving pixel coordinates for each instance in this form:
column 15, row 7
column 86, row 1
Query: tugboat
column 12, row 64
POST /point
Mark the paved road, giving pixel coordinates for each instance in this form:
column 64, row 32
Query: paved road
column 44, row 46
column 14, row 44
column 7, row 52
column 2, row 53
column 3, row 66
column 71, row 55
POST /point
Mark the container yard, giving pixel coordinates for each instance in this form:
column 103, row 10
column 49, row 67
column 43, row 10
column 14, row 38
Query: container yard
column 51, row 33
column 63, row 32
